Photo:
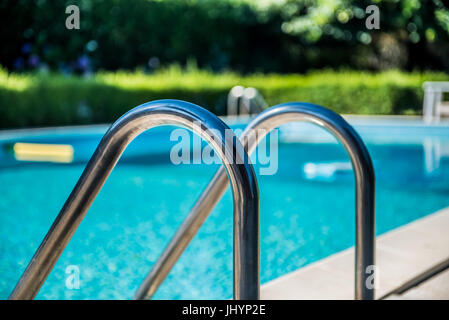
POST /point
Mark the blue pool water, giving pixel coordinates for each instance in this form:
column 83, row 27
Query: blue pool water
column 307, row 208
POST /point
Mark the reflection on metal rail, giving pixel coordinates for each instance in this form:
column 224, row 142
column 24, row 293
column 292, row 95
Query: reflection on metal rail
column 122, row 132
column 245, row 101
column 268, row 120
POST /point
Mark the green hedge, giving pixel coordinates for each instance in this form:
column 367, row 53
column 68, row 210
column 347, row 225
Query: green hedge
column 29, row 100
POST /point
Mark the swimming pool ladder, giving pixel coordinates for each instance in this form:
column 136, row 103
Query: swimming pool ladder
column 120, row 134
column 245, row 101
column 268, row 120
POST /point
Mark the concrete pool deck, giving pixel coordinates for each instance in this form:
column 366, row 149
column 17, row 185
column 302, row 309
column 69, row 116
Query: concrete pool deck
column 409, row 261
column 435, row 288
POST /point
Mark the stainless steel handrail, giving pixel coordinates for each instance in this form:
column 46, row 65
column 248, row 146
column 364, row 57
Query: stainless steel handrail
column 121, row 133
column 234, row 97
column 268, row 120
column 245, row 101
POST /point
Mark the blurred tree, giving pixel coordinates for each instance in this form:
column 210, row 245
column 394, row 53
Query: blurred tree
column 412, row 34
column 243, row 35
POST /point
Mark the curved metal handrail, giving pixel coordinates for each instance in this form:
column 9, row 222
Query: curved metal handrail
column 252, row 101
column 268, row 120
column 121, row 133
column 234, row 97
column 245, row 101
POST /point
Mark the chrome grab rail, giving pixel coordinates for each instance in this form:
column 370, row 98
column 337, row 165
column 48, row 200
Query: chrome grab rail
column 234, row 97
column 245, row 101
column 268, row 120
column 252, row 102
column 121, row 133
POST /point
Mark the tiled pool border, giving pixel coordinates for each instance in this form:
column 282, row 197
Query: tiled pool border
column 402, row 255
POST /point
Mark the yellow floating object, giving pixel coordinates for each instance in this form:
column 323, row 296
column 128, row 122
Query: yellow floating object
column 43, row 152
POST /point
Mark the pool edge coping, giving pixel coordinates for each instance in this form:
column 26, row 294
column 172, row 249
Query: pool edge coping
column 402, row 254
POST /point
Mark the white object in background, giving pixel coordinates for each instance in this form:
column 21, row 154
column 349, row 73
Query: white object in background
column 434, row 106
column 434, row 151
column 325, row 170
